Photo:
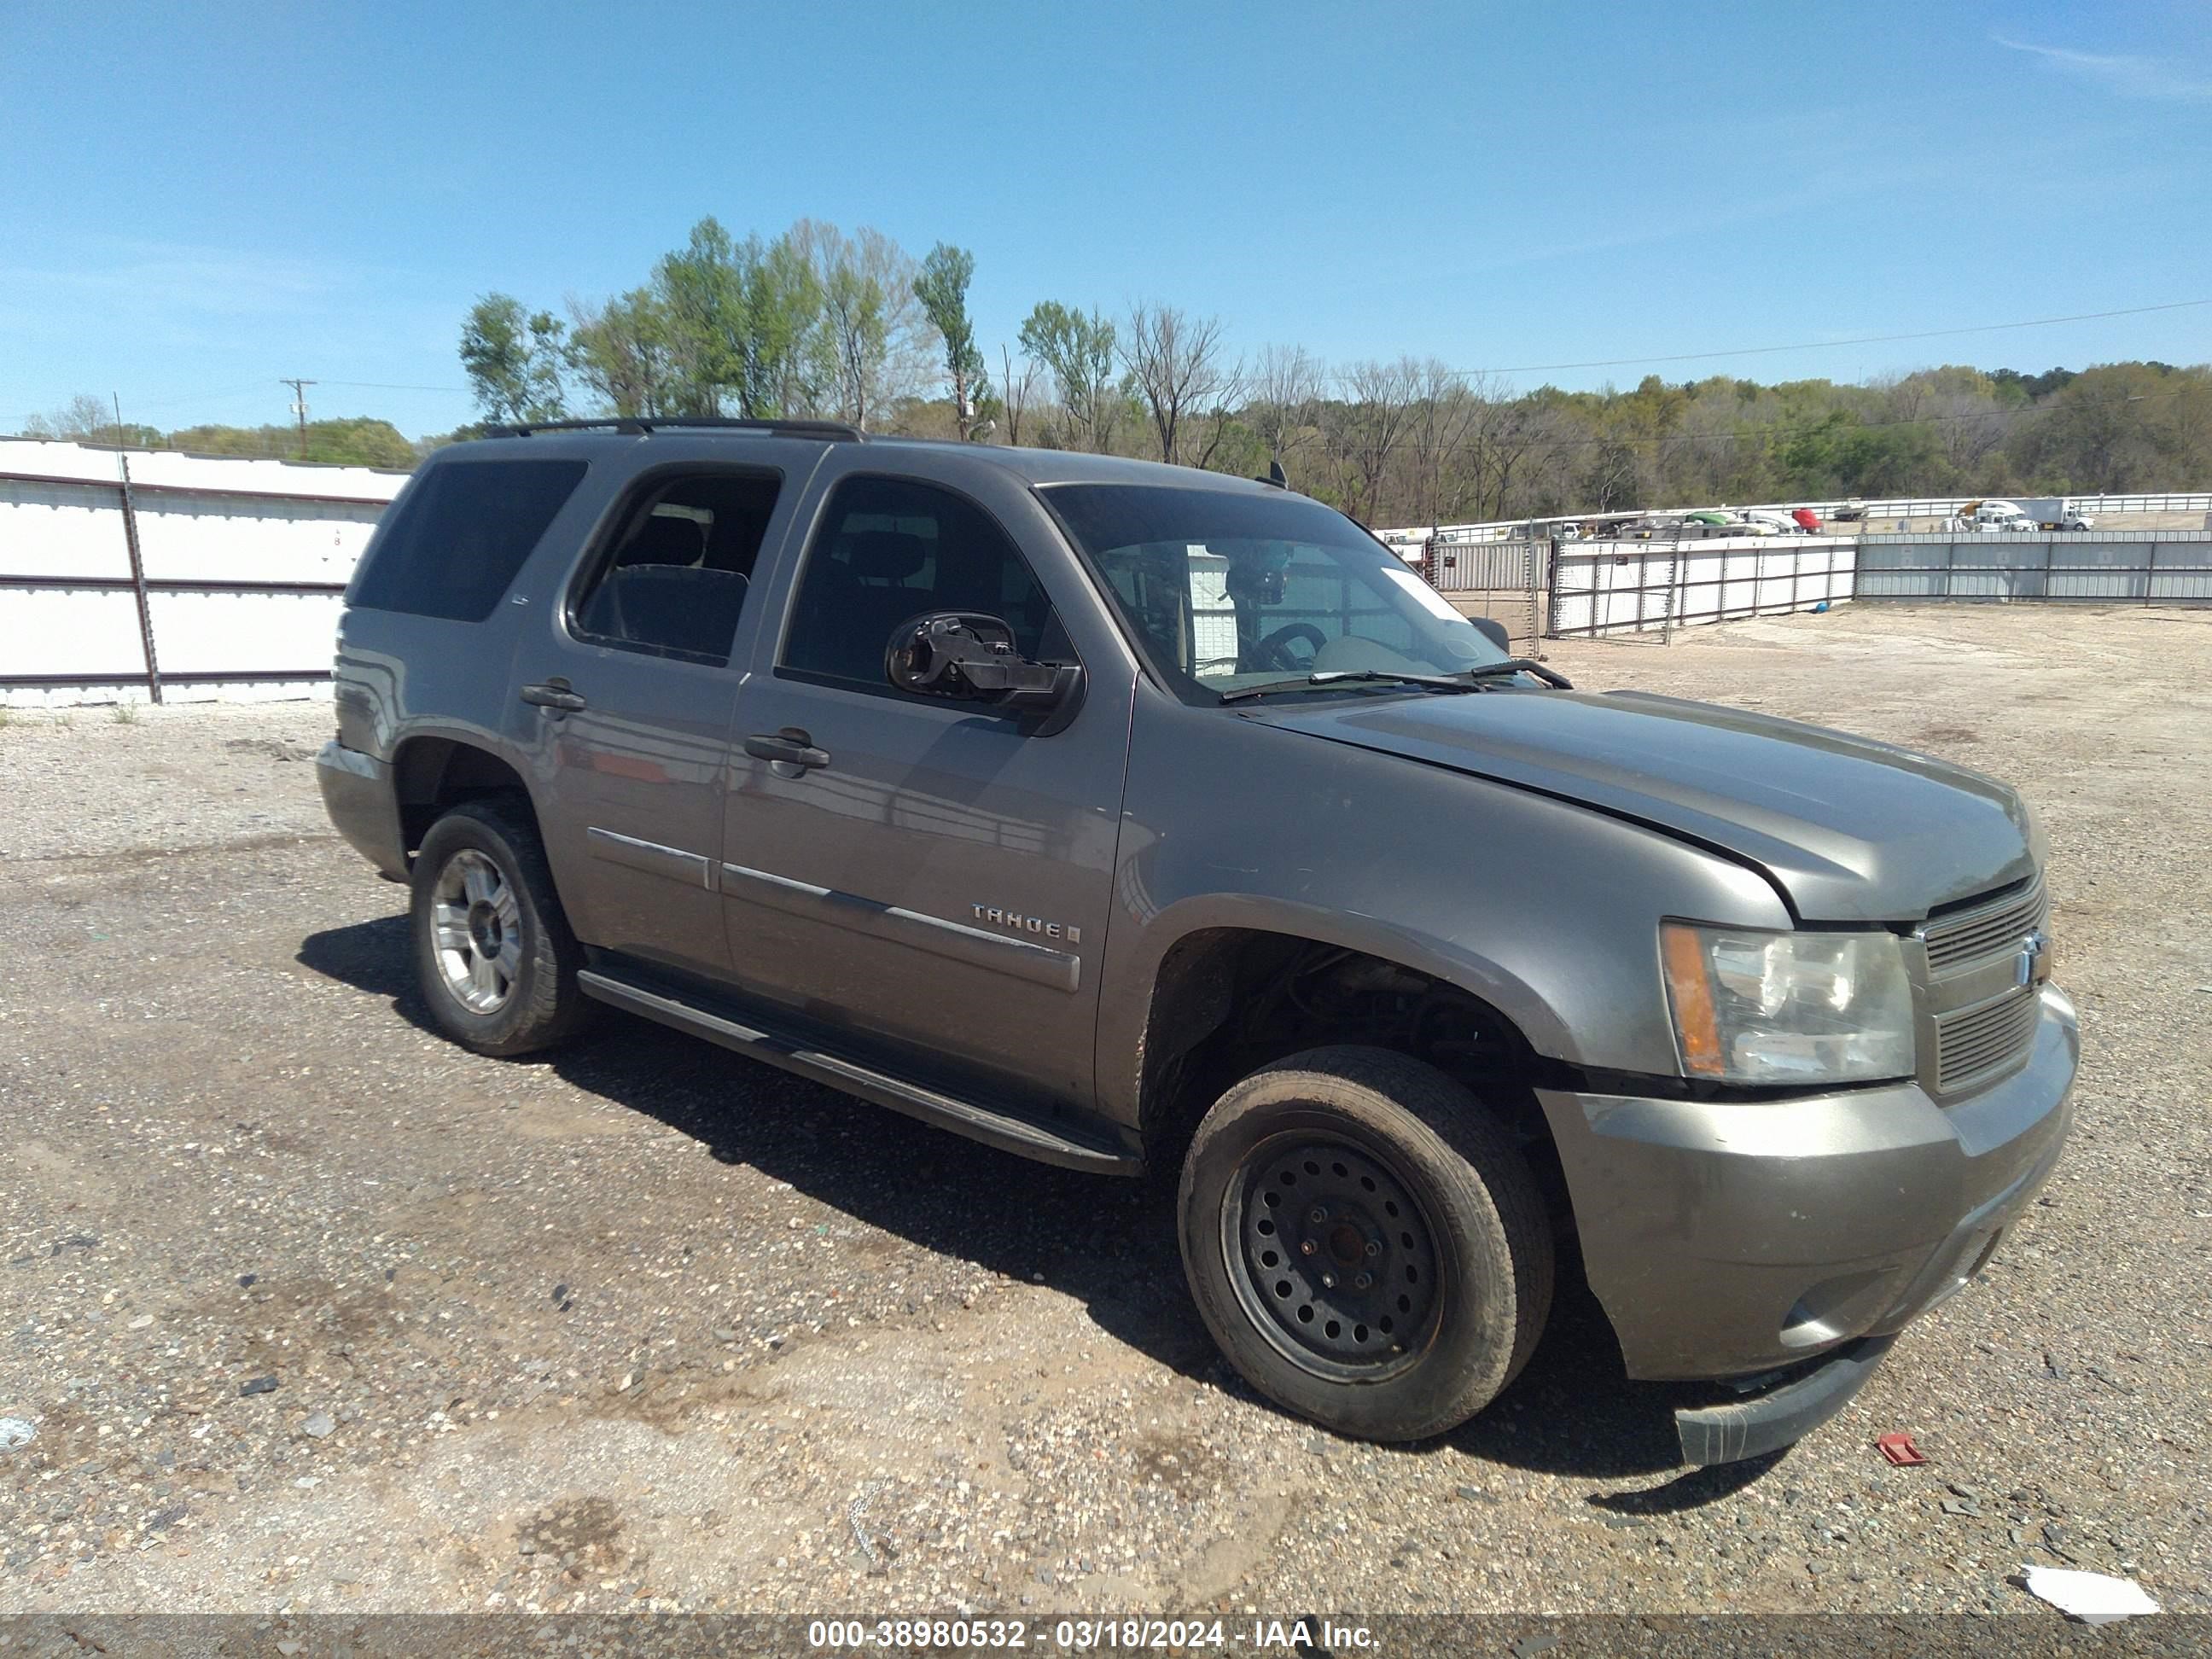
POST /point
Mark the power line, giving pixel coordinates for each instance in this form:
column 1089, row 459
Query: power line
column 384, row 385
column 261, row 386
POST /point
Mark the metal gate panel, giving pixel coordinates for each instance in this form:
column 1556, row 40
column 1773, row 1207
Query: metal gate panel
column 1500, row 580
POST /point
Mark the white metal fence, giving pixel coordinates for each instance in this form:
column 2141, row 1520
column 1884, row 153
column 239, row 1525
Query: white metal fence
column 2147, row 567
column 1604, row 589
column 137, row 575
column 1410, row 541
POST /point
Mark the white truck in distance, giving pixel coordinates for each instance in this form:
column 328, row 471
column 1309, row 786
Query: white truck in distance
column 2044, row 512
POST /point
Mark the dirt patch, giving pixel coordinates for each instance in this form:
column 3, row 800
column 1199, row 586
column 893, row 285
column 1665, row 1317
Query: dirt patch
column 584, row 1535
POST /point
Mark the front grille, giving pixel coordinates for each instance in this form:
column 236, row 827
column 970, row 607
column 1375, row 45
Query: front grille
column 1976, row 1042
column 1987, row 930
column 1982, row 1025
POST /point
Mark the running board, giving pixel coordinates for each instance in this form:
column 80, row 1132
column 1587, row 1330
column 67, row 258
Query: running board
column 993, row 1127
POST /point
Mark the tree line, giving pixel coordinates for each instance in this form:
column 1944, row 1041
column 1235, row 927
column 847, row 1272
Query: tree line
column 817, row 323
column 355, row 440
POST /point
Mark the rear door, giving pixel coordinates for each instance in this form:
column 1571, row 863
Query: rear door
column 624, row 694
column 935, row 880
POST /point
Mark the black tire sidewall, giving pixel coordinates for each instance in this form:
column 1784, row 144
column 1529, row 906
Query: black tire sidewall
column 1469, row 1352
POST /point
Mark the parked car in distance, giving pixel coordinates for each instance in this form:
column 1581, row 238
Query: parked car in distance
column 2001, row 517
column 1057, row 800
column 1758, row 523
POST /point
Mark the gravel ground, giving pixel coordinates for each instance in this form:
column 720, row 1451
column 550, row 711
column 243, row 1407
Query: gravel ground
column 310, row 1310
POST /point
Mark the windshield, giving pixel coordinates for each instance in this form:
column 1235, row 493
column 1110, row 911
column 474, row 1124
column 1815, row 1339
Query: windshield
column 1226, row 591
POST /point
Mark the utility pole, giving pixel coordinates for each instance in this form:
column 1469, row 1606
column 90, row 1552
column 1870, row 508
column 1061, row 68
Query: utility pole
column 137, row 561
column 300, row 408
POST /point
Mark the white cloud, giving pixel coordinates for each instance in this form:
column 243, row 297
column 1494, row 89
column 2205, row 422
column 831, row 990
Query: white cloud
column 2123, row 74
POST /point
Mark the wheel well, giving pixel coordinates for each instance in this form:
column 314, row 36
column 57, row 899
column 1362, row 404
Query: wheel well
column 1229, row 1001
column 433, row 774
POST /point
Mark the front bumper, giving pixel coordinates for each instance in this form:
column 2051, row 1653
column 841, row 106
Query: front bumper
column 363, row 806
column 1782, row 1416
column 1729, row 1238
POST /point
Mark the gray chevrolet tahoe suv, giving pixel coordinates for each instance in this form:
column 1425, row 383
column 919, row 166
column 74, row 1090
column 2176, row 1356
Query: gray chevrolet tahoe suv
column 1132, row 818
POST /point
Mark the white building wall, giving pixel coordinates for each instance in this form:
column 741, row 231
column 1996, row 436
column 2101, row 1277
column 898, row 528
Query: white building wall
column 200, row 518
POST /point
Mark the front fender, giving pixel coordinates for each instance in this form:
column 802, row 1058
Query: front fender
column 1544, row 910
column 1393, row 939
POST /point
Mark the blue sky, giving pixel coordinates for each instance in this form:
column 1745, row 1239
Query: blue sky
column 199, row 199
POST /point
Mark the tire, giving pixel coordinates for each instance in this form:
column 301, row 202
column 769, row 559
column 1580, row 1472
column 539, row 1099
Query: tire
column 485, row 860
column 1420, row 1189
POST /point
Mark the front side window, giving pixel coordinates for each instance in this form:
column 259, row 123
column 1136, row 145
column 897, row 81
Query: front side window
column 455, row 539
column 890, row 549
column 675, row 572
column 1225, row 590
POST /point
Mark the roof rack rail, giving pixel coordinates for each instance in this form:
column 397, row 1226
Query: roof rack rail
column 640, row 424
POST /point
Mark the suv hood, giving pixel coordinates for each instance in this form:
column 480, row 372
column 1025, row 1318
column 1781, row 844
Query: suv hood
column 1848, row 829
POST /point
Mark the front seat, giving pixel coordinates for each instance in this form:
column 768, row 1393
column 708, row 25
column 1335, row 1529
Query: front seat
column 870, row 600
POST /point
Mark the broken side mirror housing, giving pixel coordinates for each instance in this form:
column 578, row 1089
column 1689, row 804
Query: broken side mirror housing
column 1493, row 630
column 968, row 657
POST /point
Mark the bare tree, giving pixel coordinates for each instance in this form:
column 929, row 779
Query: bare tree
column 1284, row 408
column 1014, row 394
column 1363, row 432
column 1509, row 443
column 84, row 418
column 1445, row 407
column 1969, row 429
column 1176, row 363
column 876, row 343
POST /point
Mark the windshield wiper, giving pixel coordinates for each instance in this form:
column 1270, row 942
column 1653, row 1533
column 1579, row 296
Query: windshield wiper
column 1471, row 680
column 1350, row 676
column 1550, row 676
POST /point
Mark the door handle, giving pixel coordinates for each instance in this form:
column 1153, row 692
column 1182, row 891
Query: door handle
column 555, row 694
column 791, row 745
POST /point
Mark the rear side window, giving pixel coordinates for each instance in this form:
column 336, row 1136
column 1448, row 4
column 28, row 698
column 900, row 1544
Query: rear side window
column 673, row 576
column 459, row 534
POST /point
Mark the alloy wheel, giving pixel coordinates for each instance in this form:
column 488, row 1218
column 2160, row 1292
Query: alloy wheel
column 477, row 937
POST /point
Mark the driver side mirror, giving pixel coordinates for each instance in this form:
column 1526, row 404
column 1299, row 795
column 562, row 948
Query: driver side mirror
column 971, row 658
column 1493, row 630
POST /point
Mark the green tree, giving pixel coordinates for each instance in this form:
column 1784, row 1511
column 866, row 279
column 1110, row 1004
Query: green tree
column 620, row 351
column 699, row 292
column 2110, row 428
column 942, row 288
column 787, row 371
column 359, row 440
column 1078, row 352
column 513, row 359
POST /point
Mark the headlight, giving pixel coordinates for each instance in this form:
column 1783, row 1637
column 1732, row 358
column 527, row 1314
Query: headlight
column 1757, row 1007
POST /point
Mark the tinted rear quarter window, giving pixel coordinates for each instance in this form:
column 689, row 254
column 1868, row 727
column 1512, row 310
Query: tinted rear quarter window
column 455, row 540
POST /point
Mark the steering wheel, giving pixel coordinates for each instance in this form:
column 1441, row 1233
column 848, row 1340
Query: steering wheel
column 1273, row 651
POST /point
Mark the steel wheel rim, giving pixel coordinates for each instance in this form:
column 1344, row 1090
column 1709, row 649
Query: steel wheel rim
column 1299, row 1278
column 475, row 923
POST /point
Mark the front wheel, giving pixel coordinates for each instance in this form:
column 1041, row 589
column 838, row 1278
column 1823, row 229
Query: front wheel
column 1365, row 1242
column 493, row 952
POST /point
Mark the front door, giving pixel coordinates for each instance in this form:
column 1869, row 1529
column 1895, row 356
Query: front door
column 932, row 877
column 626, row 702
